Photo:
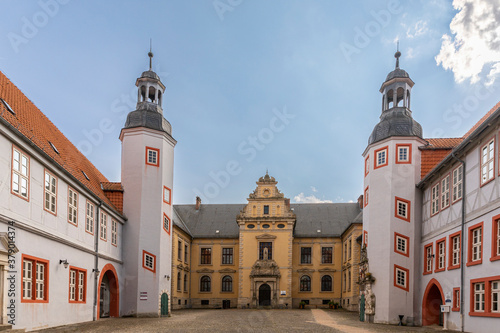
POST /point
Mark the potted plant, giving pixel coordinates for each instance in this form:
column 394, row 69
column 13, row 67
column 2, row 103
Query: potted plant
column 302, row 305
column 331, row 304
column 335, row 305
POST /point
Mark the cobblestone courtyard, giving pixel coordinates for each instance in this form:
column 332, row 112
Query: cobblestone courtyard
column 285, row 321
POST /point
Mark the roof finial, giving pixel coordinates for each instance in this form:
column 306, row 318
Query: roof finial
column 150, row 54
column 267, row 173
column 397, row 55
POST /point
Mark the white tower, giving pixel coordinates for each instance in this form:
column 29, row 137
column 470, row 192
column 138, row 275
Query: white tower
column 391, row 221
column 147, row 179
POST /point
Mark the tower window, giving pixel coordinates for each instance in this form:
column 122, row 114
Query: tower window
column 166, row 223
column 401, row 244
column 149, row 261
column 152, row 156
column 403, row 209
column 403, row 154
column 401, row 277
column 381, row 157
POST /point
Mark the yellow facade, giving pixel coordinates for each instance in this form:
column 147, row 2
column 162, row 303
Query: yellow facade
column 351, row 243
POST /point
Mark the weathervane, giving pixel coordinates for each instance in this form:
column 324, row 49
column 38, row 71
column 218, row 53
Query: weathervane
column 397, row 55
column 150, row 54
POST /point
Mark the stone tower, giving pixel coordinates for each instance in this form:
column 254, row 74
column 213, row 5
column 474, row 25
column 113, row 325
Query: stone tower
column 390, row 220
column 147, row 179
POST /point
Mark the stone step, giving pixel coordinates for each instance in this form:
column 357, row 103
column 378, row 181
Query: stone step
column 5, row 327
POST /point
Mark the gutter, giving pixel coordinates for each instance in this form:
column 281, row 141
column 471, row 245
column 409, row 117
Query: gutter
column 462, row 246
column 96, row 259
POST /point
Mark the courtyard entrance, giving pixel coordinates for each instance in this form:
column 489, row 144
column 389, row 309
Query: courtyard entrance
column 431, row 305
column 265, row 295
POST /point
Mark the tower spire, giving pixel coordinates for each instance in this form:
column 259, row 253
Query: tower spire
column 397, row 55
column 150, row 54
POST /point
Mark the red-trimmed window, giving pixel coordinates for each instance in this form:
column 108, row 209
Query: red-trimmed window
column 50, row 193
column 114, row 232
column 488, row 162
column 381, row 157
column 365, row 196
column 167, row 195
column 77, row 285
column 485, row 297
column 367, row 165
column 166, row 223
column 495, row 238
column 403, row 154
column 428, row 256
column 457, row 176
column 475, row 252
column 20, row 173
column 149, row 261
column 441, row 255
column 35, row 285
column 435, row 199
column 401, row 278
column 89, row 218
column 365, row 236
column 402, row 209
column 456, row 300
column 401, row 244
column 152, row 156
column 445, row 192
column 72, row 206
column 454, row 261
column 104, row 226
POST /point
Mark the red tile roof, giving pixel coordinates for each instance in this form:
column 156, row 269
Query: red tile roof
column 435, row 151
column 442, row 143
column 37, row 128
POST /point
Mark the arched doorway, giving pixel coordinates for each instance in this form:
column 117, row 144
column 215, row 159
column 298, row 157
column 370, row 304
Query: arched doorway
column 264, row 295
column 109, row 294
column 164, row 304
column 431, row 304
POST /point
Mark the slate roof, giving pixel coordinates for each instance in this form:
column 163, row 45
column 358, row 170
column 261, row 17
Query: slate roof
column 396, row 121
column 331, row 218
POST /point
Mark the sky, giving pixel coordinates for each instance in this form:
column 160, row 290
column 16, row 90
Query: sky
column 287, row 86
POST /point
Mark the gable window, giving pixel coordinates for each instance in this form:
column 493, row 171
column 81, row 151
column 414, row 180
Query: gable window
column 441, row 255
column 89, row 218
column 50, row 193
column 326, row 283
column 456, row 300
column 403, row 154
column 35, row 287
column 166, row 223
column 20, row 173
column 305, row 283
column 305, row 255
column 428, row 256
column 454, row 250
column 205, row 284
column 365, row 196
column 72, row 206
column 401, row 276
column 114, row 232
column 206, row 256
column 457, row 183
column 495, row 242
column 401, row 244
column 152, row 156
column 149, row 261
column 487, row 161
column 262, row 246
column 227, row 256
column 435, row 199
column 227, row 284
column 266, row 209
column 367, row 165
column 381, row 158
column 327, row 255
column 475, row 253
column 445, row 192
column 77, row 285
column 179, row 250
column 104, row 226
column 167, row 195
column 402, row 209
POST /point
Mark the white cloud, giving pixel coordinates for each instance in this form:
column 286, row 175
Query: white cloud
column 410, row 53
column 419, row 29
column 475, row 41
column 301, row 198
column 314, row 189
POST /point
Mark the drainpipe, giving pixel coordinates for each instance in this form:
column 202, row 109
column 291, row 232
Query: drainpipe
column 462, row 246
column 96, row 259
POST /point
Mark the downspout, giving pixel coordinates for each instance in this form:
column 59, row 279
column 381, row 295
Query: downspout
column 462, row 246
column 96, row 259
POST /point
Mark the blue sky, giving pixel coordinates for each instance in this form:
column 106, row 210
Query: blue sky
column 288, row 86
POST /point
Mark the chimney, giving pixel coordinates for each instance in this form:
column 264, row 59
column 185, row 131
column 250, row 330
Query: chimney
column 198, row 203
column 360, row 201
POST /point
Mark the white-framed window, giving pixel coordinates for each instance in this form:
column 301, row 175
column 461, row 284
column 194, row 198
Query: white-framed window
column 498, row 237
column 403, row 209
column 167, row 195
column 114, row 232
column 401, row 277
column 457, row 183
column 72, row 206
column 152, row 156
column 455, row 260
column 149, row 261
column 479, row 297
column 487, row 161
column 441, row 249
column 367, row 165
column 89, row 218
column 402, row 244
column 495, row 296
column 50, row 193
column 166, row 223
column 366, row 196
column 27, row 279
column 381, row 157
column 476, row 244
column 428, row 258
column 445, row 192
column 72, row 285
column 403, row 153
column 40, row 281
column 20, row 173
column 104, row 226
column 435, row 199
